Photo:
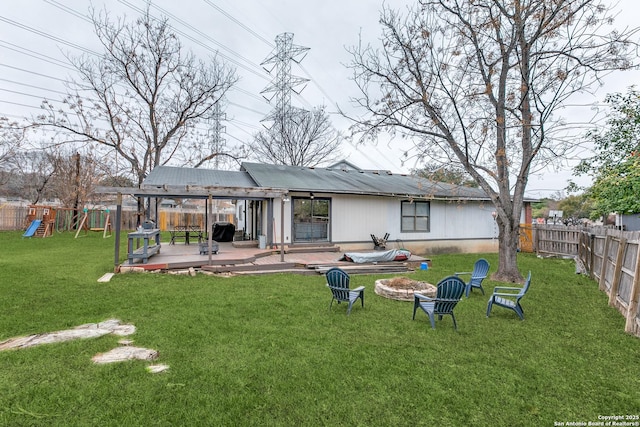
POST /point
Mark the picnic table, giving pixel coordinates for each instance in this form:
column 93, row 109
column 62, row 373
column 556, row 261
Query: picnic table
column 185, row 232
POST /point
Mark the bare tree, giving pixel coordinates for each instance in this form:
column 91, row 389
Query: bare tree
column 445, row 173
column 143, row 96
column 308, row 139
column 477, row 84
column 34, row 171
column 12, row 136
column 75, row 177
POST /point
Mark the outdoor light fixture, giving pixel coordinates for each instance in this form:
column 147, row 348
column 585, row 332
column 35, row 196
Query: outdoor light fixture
column 285, row 198
column 311, row 196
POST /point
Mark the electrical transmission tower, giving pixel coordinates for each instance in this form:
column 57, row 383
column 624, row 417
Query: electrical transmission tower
column 216, row 129
column 283, row 83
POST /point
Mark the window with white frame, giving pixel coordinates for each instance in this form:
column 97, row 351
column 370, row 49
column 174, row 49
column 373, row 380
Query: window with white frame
column 415, row 216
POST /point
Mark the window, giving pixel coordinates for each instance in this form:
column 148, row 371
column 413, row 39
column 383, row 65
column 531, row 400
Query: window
column 415, row 216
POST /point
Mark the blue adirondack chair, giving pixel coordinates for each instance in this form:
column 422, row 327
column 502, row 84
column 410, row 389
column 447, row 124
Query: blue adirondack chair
column 449, row 291
column 338, row 282
column 509, row 297
column 480, row 271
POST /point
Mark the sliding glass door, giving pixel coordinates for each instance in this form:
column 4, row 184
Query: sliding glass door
column 311, row 220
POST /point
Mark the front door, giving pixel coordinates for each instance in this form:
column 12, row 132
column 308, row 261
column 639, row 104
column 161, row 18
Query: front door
column 311, row 219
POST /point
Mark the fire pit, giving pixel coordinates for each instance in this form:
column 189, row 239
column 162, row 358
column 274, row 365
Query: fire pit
column 402, row 288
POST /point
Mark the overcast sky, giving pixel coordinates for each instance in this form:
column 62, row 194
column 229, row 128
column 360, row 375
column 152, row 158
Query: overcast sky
column 35, row 35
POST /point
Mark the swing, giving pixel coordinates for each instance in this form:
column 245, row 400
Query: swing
column 107, row 224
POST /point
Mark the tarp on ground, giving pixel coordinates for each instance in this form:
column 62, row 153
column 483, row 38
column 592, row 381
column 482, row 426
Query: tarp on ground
column 391, row 255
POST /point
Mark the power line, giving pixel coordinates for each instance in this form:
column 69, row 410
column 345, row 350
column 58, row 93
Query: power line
column 233, row 19
column 69, row 10
column 35, row 54
column 46, row 35
column 34, row 73
column 33, row 86
column 200, row 43
column 206, row 36
column 197, row 40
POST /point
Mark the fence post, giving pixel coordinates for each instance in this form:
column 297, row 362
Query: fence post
column 629, row 325
column 613, row 295
column 604, row 265
column 116, row 255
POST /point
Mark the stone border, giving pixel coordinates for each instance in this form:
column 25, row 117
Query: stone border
column 383, row 289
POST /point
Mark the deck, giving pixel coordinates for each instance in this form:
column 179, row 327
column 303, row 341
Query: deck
column 248, row 259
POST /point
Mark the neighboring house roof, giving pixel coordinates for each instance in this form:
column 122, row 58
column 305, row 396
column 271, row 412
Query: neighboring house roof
column 349, row 181
column 344, row 164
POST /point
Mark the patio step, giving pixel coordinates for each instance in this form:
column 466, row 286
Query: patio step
column 253, row 268
column 366, row 268
column 303, row 249
column 302, row 271
column 245, row 244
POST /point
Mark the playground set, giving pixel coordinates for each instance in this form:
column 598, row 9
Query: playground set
column 42, row 221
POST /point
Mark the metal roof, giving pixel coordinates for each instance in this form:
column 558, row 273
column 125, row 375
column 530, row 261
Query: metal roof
column 259, row 181
column 168, row 175
column 177, row 182
column 348, row 181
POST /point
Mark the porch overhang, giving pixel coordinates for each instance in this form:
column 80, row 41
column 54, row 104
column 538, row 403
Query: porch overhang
column 197, row 192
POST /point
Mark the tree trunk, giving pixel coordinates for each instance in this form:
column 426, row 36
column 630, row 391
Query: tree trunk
column 508, row 253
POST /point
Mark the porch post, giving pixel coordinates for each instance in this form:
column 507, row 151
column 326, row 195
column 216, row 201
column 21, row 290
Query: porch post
column 270, row 223
column 282, row 228
column 116, row 261
column 210, row 231
column 283, row 199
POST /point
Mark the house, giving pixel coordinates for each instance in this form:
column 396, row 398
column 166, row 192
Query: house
column 628, row 222
column 341, row 205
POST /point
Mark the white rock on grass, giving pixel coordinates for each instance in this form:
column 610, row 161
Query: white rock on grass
column 154, row 369
column 89, row 330
column 120, row 354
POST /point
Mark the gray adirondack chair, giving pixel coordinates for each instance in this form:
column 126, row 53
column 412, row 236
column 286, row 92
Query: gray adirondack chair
column 509, row 297
column 448, row 294
column 338, row 282
column 480, row 271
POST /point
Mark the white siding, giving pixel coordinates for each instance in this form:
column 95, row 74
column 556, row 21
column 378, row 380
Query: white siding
column 454, row 226
column 354, row 218
column 468, row 220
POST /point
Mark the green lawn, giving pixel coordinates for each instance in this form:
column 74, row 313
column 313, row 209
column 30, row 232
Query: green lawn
column 265, row 350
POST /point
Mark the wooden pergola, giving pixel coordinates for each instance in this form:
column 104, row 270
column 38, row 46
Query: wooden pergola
column 195, row 192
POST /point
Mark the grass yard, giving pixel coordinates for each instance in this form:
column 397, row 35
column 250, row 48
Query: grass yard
column 265, row 350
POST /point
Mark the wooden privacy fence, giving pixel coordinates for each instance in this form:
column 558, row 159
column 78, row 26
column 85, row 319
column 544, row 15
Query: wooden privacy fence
column 17, row 218
column 556, row 240
column 613, row 260
column 611, row 257
column 168, row 220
